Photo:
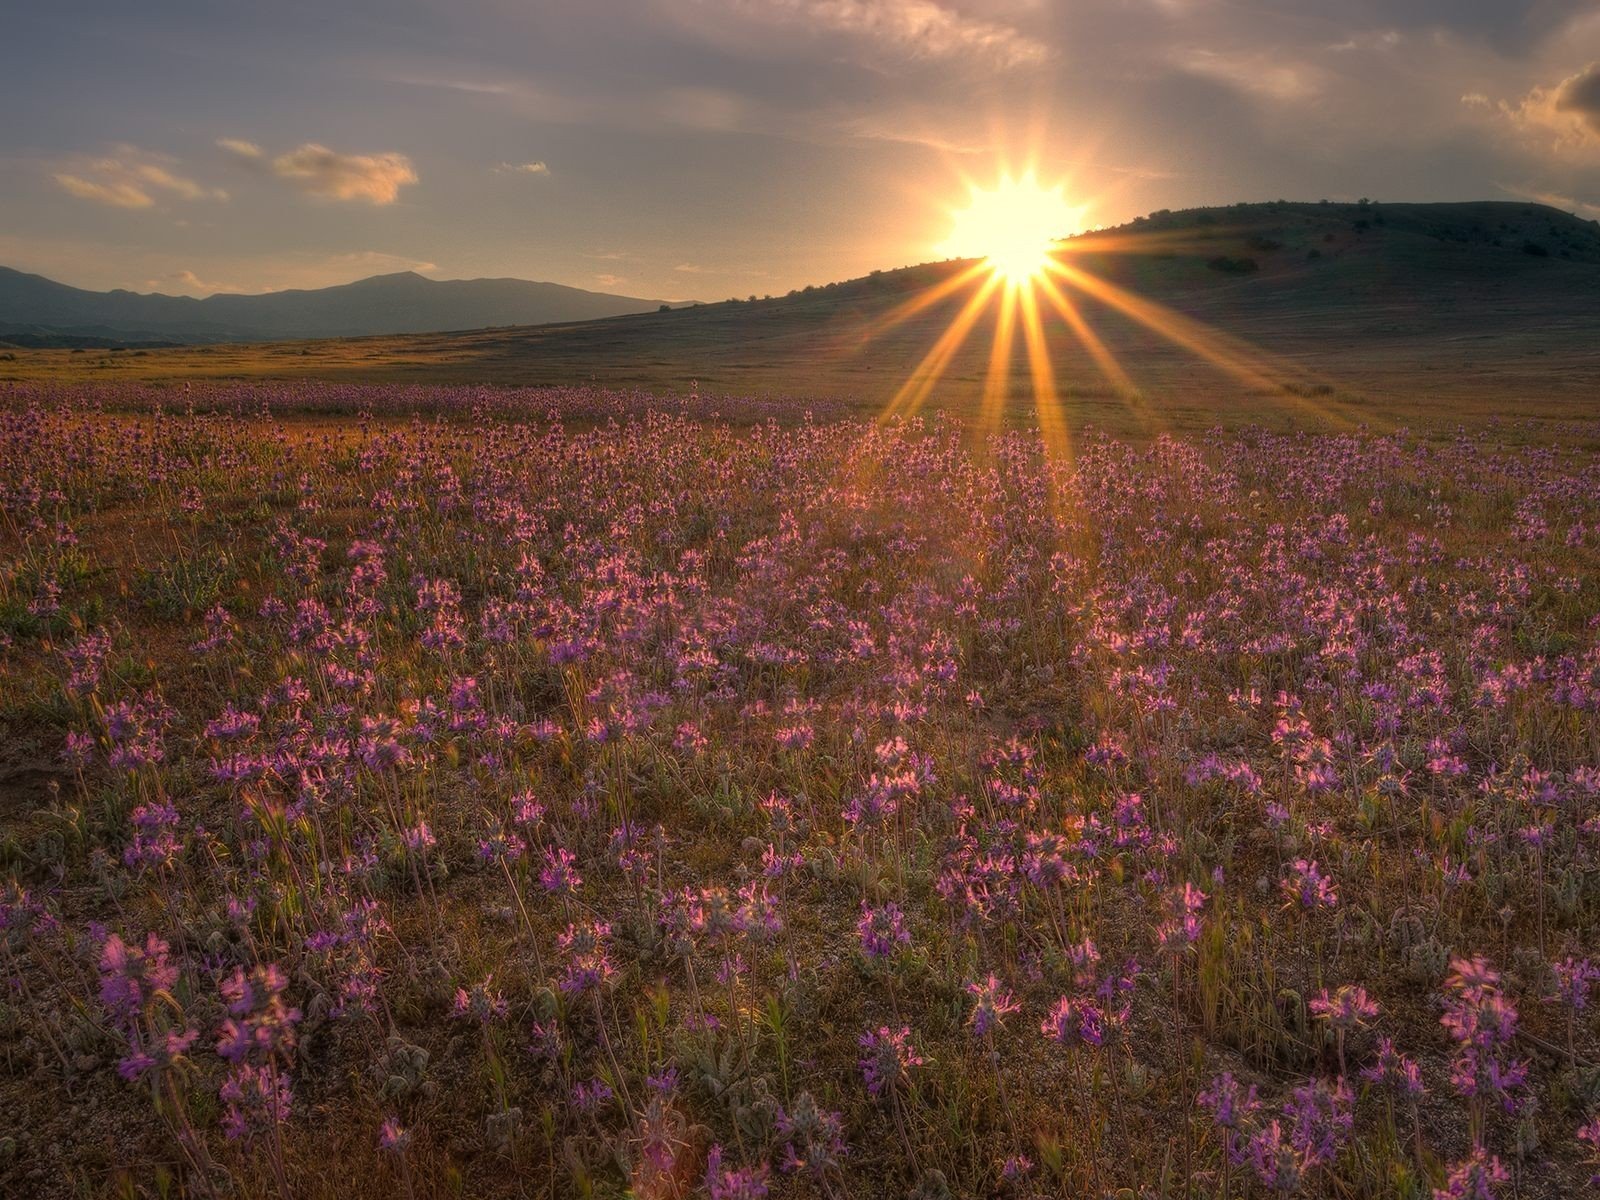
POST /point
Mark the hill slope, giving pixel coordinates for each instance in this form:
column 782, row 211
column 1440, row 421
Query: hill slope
column 1369, row 307
column 31, row 305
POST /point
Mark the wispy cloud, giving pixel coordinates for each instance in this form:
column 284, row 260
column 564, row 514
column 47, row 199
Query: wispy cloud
column 241, row 149
column 913, row 130
column 1258, row 72
column 116, row 193
column 165, row 180
column 375, row 261
column 188, row 283
column 526, row 168
column 130, row 178
column 523, row 96
column 708, row 108
column 915, row 28
column 735, row 272
column 1382, row 40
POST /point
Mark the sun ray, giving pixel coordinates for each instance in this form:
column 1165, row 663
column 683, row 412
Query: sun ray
column 1046, row 401
column 928, row 372
column 1201, row 341
column 1285, row 383
column 1090, row 340
column 970, row 274
column 997, row 383
column 1122, row 385
column 1142, row 241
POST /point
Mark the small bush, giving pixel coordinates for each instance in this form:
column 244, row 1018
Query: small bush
column 1233, row 266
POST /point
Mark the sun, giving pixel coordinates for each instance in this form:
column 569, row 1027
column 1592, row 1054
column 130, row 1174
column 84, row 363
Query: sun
column 1013, row 226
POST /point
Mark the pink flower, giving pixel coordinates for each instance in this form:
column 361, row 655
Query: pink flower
column 992, row 1004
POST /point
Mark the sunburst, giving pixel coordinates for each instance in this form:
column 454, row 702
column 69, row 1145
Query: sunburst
column 1012, row 226
column 1028, row 270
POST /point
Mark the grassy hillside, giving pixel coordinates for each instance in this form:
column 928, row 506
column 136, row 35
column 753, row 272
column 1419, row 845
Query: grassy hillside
column 1373, row 311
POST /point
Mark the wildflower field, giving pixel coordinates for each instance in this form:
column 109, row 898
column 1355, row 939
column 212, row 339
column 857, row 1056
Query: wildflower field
column 440, row 792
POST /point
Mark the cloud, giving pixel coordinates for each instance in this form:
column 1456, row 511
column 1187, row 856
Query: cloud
column 1261, row 73
column 376, row 261
column 188, row 282
column 1386, row 39
column 319, row 171
column 369, row 178
column 130, row 178
column 1579, row 95
column 919, row 29
column 241, row 149
column 472, row 87
column 164, row 179
column 609, row 280
column 527, row 168
column 914, row 128
column 1565, row 117
column 117, row 194
column 734, row 272
column 711, row 109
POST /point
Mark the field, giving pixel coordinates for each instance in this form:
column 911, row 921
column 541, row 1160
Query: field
column 433, row 791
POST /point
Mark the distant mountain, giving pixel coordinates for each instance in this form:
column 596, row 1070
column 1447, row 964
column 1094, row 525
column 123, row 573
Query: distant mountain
column 38, row 311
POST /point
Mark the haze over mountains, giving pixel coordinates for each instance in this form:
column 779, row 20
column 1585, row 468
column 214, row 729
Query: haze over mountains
column 1486, row 303
column 40, row 312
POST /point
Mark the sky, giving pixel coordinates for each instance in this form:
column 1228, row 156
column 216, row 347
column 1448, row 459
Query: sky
column 678, row 149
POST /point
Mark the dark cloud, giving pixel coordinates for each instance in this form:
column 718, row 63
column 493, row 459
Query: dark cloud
column 1580, row 96
column 1509, row 25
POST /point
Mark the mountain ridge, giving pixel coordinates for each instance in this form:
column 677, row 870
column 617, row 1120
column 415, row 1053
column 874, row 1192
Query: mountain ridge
column 41, row 308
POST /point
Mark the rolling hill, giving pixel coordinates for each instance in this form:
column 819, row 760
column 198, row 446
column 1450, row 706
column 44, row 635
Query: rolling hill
column 37, row 310
column 1352, row 306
